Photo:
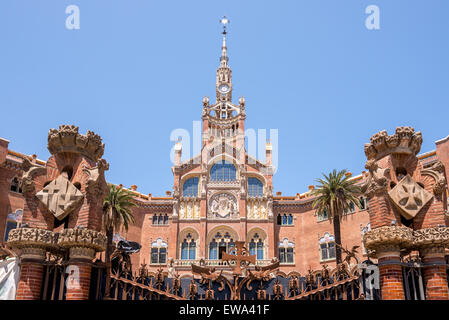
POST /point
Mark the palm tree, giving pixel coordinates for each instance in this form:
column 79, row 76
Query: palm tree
column 334, row 194
column 116, row 215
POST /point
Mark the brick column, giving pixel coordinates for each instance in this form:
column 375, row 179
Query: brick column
column 390, row 275
column 83, row 245
column 387, row 242
column 33, row 244
column 31, row 273
column 435, row 277
column 79, row 270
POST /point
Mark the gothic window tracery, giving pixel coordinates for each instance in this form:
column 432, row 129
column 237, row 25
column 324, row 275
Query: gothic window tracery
column 256, row 247
column 220, row 243
column 188, row 248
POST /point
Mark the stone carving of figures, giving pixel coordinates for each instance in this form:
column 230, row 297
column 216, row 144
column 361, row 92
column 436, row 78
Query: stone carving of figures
column 175, row 208
column 189, row 211
column 270, row 208
column 242, row 185
column 214, row 205
column 234, row 208
column 197, row 211
column 263, row 212
column 203, row 185
column 175, row 192
column 182, row 211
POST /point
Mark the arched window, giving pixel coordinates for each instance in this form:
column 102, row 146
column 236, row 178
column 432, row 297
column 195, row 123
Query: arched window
column 190, row 188
column 286, row 251
column 284, row 219
column 165, row 219
column 188, row 248
column 290, row 219
column 15, row 185
column 256, row 248
column 255, row 187
column 223, row 171
column 213, row 250
column 159, row 252
column 12, row 221
column 155, row 219
column 219, row 244
column 327, row 247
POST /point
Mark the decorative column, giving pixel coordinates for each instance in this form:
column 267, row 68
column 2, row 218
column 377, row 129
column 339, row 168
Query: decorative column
column 82, row 245
column 388, row 236
column 33, row 244
column 432, row 243
column 66, row 195
column 387, row 242
column 407, row 211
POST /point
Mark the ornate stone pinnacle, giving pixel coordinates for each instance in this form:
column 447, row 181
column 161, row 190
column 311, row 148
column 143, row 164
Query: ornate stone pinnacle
column 404, row 141
column 67, row 139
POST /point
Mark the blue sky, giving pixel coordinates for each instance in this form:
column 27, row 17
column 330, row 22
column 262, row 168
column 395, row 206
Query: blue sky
column 136, row 70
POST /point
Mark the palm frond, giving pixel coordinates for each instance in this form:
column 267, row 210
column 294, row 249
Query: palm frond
column 117, row 206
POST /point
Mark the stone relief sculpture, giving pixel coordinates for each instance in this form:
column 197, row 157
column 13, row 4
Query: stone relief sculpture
column 223, row 205
column 60, row 197
column 96, row 183
column 29, row 170
column 378, row 178
column 203, row 185
column 436, row 171
column 409, row 197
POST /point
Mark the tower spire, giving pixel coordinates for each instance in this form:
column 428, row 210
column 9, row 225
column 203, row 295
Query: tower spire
column 224, row 83
column 224, row 51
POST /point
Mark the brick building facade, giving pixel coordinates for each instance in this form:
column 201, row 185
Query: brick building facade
column 221, row 196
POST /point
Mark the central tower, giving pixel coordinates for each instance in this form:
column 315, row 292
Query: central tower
column 224, row 121
column 222, row 195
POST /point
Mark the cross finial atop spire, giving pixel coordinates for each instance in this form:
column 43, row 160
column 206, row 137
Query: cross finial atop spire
column 224, row 21
column 224, row 55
